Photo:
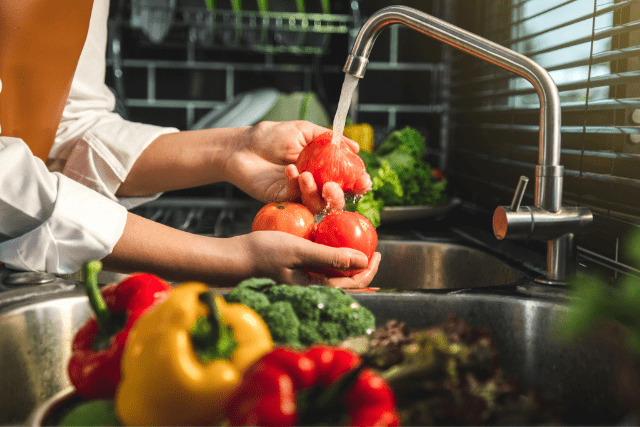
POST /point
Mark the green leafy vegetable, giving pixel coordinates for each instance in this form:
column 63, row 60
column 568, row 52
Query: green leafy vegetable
column 408, row 140
column 304, row 315
column 595, row 301
column 400, row 176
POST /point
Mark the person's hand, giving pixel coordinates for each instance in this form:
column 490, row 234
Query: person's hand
column 283, row 257
column 263, row 166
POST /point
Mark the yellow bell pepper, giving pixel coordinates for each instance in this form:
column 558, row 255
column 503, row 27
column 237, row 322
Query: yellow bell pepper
column 362, row 134
column 168, row 378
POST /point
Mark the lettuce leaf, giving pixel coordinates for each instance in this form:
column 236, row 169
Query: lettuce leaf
column 400, row 176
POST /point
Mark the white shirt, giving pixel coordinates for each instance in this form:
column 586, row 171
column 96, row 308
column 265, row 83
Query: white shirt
column 58, row 216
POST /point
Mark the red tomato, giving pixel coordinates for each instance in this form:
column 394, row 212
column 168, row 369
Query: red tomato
column 343, row 229
column 330, row 162
column 292, row 218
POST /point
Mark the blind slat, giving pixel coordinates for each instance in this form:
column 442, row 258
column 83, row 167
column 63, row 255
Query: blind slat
column 612, row 179
column 614, row 7
column 599, row 58
column 609, row 130
column 606, row 80
column 575, row 152
column 601, row 104
column 598, row 35
column 542, row 12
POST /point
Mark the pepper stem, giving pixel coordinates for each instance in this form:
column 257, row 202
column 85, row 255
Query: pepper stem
column 322, row 406
column 212, row 337
column 97, row 302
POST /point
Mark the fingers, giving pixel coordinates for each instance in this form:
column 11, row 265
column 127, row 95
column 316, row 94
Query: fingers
column 333, row 196
column 285, row 258
column 331, row 199
column 343, row 259
column 324, row 256
column 309, row 193
column 352, row 144
column 360, row 280
column 292, row 185
column 310, row 130
column 363, row 184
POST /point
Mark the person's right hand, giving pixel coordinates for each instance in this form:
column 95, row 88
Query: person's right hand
column 283, row 257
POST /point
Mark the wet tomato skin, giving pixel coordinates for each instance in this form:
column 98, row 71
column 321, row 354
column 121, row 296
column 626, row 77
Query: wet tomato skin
column 289, row 217
column 331, row 162
column 343, row 229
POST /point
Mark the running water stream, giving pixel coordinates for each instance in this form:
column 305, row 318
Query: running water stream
column 349, row 85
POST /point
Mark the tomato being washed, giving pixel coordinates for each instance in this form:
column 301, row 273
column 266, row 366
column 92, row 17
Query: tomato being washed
column 332, row 162
column 292, row 218
column 343, row 229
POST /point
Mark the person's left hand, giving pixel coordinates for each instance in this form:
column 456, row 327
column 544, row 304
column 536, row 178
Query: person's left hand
column 263, row 166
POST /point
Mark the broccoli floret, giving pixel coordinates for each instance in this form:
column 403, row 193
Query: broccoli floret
column 248, row 296
column 283, row 323
column 359, row 321
column 346, row 311
column 304, row 315
column 309, row 333
column 306, row 301
column 335, row 301
column 331, row 332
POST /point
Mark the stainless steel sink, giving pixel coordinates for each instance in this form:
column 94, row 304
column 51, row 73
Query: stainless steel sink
column 35, row 345
column 38, row 323
column 589, row 380
column 416, row 264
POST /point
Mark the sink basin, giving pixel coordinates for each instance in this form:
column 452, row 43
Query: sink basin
column 583, row 378
column 35, row 345
column 35, row 338
column 417, row 264
column 38, row 323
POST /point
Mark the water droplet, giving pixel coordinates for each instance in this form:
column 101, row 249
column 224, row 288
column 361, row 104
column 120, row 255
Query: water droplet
column 353, row 198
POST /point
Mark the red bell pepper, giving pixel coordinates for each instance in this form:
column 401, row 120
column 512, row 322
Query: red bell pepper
column 96, row 350
column 321, row 386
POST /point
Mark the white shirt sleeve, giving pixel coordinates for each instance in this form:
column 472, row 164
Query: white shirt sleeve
column 49, row 222
column 58, row 216
column 95, row 146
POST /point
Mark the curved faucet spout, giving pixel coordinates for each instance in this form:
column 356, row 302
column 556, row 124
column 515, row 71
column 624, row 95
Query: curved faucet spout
column 548, row 220
column 549, row 172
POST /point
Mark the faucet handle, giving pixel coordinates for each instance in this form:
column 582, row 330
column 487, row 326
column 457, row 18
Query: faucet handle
column 517, row 197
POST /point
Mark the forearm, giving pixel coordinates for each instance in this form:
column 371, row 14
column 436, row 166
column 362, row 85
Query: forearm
column 181, row 160
column 177, row 255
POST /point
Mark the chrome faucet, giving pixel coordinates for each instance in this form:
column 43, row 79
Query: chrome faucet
column 548, row 219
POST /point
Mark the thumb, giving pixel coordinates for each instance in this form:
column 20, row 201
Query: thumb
column 317, row 255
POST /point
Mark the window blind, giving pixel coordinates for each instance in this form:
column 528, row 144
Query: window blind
column 591, row 48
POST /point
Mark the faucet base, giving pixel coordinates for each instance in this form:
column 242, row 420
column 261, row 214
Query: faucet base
column 545, row 281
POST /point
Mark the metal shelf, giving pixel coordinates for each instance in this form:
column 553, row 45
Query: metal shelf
column 267, row 32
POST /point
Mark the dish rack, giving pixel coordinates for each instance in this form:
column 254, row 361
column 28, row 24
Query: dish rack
column 175, row 23
column 215, row 217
